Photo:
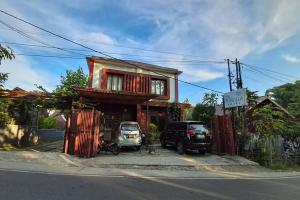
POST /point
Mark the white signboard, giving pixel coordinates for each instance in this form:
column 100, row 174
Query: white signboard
column 235, row 98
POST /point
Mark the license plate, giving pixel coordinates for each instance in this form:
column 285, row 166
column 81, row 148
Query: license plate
column 200, row 136
column 130, row 136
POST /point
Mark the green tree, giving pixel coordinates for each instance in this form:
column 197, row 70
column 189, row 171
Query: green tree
column 210, row 99
column 251, row 97
column 173, row 112
column 5, row 53
column 269, row 122
column 72, row 79
column 285, row 94
column 205, row 111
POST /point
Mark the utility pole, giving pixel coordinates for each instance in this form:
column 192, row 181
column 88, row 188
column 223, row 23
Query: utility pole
column 229, row 75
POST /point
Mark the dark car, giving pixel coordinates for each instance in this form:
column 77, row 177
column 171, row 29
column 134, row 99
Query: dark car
column 186, row 135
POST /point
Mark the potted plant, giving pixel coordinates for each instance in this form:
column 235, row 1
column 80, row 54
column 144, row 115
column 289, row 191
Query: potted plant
column 153, row 136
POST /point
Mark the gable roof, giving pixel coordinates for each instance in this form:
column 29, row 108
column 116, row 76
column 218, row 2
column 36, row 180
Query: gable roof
column 264, row 99
column 133, row 63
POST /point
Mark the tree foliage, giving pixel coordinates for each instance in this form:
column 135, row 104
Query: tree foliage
column 286, row 94
column 5, row 53
column 269, row 120
column 72, row 79
column 47, row 123
column 251, row 97
column 173, row 112
column 205, row 111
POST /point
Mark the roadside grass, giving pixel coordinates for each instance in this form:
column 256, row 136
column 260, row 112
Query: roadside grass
column 9, row 148
column 279, row 166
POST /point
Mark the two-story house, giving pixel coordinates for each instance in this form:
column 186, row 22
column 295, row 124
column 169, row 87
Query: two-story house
column 131, row 91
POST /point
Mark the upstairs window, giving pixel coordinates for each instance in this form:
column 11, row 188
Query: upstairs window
column 114, row 82
column 158, row 87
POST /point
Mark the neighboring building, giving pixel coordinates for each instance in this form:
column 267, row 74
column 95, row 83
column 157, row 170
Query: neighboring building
column 131, row 91
column 261, row 102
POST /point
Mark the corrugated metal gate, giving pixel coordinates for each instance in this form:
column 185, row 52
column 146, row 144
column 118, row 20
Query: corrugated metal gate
column 82, row 133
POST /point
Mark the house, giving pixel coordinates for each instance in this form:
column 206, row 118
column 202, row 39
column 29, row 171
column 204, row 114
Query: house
column 131, row 91
column 261, row 102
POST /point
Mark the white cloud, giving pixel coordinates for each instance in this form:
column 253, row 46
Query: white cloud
column 290, row 58
column 209, row 29
column 195, row 75
column 23, row 74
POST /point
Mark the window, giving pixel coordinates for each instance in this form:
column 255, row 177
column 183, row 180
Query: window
column 158, row 87
column 114, row 82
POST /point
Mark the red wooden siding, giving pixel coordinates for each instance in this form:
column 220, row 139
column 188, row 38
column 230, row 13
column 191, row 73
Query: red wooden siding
column 135, row 82
column 82, row 133
column 223, row 135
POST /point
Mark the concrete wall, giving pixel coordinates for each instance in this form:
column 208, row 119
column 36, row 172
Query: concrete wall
column 50, row 134
column 13, row 134
column 97, row 78
column 17, row 135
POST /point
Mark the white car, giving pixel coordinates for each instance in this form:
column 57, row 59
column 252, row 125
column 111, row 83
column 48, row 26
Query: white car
column 129, row 135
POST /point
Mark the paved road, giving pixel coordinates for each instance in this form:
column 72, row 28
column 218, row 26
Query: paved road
column 31, row 186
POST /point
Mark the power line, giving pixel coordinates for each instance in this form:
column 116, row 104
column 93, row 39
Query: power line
column 276, row 72
column 48, row 56
column 264, row 74
column 71, row 57
column 134, row 48
column 84, row 46
column 181, row 60
column 36, row 40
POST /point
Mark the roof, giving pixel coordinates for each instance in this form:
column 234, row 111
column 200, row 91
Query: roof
column 219, row 110
column 263, row 99
column 114, row 96
column 133, row 63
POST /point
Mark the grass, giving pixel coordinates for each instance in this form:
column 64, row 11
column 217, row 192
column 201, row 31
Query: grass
column 279, row 166
column 9, row 148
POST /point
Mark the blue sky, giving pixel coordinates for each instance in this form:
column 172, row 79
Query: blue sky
column 265, row 34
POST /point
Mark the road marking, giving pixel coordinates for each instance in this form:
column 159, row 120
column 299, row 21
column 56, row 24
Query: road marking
column 150, row 177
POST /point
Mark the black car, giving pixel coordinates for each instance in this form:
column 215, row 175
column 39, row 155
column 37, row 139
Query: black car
column 186, row 135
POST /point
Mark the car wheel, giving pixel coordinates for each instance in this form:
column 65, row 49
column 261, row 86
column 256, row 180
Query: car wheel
column 163, row 143
column 137, row 148
column 180, row 148
column 115, row 149
column 201, row 151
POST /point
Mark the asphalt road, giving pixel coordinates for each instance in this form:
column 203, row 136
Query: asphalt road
column 35, row 186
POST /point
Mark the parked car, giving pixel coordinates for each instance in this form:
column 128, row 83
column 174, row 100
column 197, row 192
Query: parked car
column 186, row 135
column 129, row 135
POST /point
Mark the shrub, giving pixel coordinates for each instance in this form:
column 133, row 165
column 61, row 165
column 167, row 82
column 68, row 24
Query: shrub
column 153, row 133
column 4, row 118
column 47, row 123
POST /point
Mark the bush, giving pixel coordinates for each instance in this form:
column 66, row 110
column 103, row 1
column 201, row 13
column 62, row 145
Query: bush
column 47, row 123
column 4, row 118
column 153, row 133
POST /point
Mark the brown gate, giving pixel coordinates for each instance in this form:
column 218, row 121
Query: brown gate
column 223, row 135
column 82, row 133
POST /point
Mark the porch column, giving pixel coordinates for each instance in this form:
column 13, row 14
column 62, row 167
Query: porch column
column 139, row 114
column 182, row 108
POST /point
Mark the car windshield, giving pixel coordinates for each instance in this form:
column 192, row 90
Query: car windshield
column 129, row 127
column 198, row 127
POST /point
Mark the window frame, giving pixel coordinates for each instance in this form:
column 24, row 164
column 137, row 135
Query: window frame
column 165, row 94
column 111, row 78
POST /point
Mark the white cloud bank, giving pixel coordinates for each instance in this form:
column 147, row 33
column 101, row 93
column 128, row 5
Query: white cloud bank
column 210, row 29
column 292, row 59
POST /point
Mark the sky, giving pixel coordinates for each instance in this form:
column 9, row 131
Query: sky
column 194, row 36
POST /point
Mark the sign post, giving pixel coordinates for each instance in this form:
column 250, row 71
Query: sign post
column 235, row 98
